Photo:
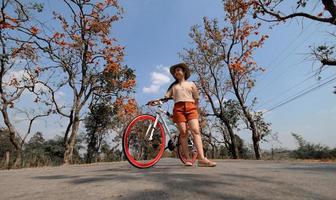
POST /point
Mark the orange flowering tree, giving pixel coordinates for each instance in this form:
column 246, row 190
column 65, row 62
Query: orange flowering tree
column 224, row 64
column 19, row 73
column 86, row 61
column 323, row 11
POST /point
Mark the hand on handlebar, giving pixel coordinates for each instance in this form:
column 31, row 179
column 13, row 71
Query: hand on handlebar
column 152, row 103
column 156, row 102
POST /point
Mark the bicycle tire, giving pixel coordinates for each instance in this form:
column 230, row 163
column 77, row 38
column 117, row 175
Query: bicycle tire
column 157, row 143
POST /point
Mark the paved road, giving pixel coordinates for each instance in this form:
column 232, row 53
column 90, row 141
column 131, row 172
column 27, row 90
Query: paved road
column 231, row 179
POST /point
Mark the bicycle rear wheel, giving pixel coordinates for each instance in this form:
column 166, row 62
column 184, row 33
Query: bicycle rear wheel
column 192, row 151
column 143, row 144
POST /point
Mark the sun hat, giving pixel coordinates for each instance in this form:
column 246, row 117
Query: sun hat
column 184, row 67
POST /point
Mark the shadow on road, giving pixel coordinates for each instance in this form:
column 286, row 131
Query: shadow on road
column 175, row 181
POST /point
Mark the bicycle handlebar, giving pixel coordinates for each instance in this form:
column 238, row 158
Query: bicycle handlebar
column 157, row 102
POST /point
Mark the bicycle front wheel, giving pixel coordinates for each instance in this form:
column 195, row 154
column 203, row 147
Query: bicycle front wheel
column 143, row 144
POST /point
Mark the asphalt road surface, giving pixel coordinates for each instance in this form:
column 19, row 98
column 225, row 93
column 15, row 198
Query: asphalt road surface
column 169, row 179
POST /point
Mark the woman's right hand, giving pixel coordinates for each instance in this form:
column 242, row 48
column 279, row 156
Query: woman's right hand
column 155, row 102
column 151, row 103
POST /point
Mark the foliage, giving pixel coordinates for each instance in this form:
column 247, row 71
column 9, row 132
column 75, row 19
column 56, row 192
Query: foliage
column 97, row 124
column 263, row 127
column 307, row 150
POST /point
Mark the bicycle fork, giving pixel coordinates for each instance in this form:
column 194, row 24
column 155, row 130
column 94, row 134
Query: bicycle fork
column 151, row 128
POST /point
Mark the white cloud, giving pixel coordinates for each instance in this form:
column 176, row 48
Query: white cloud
column 158, row 78
column 18, row 75
column 39, row 87
column 151, row 89
column 23, row 78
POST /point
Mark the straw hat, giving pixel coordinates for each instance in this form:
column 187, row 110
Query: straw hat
column 184, row 67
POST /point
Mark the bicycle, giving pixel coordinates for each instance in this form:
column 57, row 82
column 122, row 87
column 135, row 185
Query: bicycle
column 144, row 139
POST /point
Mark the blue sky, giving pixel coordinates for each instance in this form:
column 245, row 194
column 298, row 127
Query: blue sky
column 154, row 31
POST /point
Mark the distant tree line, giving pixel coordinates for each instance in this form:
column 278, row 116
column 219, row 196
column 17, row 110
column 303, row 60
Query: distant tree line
column 38, row 151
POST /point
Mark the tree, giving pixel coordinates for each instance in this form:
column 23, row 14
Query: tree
column 242, row 149
column 34, row 151
column 224, row 57
column 97, row 124
column 263, row 127
column 273, row 11
column 19, row 72
column 211, row 125
column 222, row 152
column 6, row 145
column 54, row 150
column 86, row 61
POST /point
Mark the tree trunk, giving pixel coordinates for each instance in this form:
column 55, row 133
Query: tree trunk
column 91, row 151
column 12, row 137
column 251, row 123
column 233, row 146
column 7, row 160
column 255, row 135
column 70, row 143
column 213, row 151
column 256, row 146
column 18, row 158
column 248, row 116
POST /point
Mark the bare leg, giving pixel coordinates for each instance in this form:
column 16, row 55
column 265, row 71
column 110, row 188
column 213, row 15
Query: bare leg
column 184, row 138
column 202, row 160
column 194, row 127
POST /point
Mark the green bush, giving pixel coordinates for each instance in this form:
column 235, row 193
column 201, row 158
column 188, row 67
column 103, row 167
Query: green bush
column 308, row 150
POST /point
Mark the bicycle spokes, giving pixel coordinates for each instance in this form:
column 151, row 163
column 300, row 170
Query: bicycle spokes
column 144, row 143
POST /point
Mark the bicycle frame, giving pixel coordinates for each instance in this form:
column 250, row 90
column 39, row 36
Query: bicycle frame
column 159, row 116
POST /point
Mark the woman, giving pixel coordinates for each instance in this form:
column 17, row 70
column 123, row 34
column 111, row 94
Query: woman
column 185, row 112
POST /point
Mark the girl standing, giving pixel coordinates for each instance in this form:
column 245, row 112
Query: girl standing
column 185, row 112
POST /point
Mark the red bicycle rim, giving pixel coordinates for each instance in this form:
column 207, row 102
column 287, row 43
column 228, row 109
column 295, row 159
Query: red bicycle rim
column 130, row 157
